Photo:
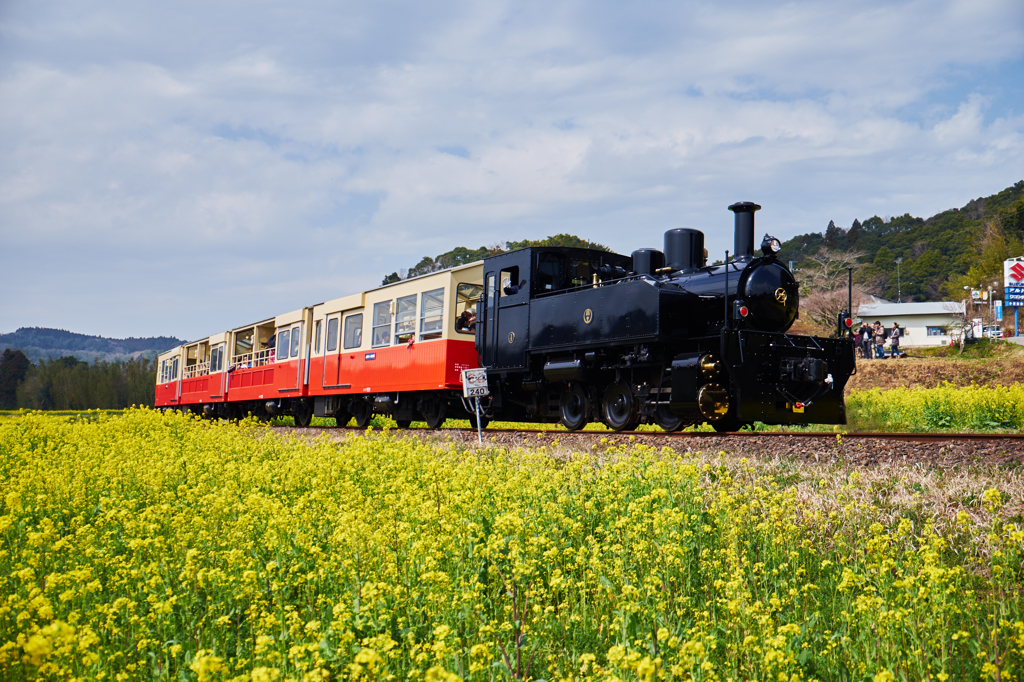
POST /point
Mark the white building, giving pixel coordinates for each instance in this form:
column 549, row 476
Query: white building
column 924, row 324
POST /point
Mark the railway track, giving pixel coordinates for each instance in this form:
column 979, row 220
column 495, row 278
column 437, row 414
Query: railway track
column 740, row 435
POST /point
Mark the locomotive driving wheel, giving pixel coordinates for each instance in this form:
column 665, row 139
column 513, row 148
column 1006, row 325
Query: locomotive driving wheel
column 619, row 408
column 574, row 408
column 666, row 419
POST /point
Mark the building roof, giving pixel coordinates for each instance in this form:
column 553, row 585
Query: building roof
column 901, row 309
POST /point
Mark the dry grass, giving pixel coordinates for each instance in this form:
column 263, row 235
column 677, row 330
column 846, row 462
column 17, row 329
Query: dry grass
column 931, row 372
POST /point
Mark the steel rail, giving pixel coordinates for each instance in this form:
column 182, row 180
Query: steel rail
column 853, row 435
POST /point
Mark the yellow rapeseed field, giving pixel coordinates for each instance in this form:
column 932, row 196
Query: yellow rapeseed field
column 150, row 546
column 946, row 407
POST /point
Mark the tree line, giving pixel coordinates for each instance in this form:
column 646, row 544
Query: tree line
column 67, row 383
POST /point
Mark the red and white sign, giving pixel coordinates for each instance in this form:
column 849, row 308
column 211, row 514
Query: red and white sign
column 1013, row 272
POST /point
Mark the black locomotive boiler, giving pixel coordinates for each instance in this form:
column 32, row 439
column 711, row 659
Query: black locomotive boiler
column 577, row 335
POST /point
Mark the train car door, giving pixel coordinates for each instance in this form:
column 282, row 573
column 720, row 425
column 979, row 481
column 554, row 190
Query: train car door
column 332, row 352
column 490, row 320
column 288, row 349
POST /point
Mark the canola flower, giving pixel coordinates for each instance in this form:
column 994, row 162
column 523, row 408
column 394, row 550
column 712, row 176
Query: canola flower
column 152, row 546
column 946, row 407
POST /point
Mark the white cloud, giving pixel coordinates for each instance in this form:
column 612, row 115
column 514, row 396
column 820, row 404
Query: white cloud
column 235, row 160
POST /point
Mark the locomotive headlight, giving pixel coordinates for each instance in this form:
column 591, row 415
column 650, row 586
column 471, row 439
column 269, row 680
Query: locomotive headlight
column 770, row 245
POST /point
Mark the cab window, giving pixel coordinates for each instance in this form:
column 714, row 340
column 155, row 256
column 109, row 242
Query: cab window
column 296, row 339
column 381, row 323
column 581, row 273
column 405, row 319
column 510, row 282
column 316, row 341
column 354, row 331
column 431, row 312
column 550, row 267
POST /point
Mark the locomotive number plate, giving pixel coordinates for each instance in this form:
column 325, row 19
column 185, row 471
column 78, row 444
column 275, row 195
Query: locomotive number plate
column 474, row 382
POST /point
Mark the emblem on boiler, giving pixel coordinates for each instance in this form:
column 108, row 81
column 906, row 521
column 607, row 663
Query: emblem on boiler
column 588, row 316
column 780, row 295
column 511, row 337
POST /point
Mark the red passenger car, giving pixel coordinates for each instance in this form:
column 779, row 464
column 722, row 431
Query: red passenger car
column 398, row 350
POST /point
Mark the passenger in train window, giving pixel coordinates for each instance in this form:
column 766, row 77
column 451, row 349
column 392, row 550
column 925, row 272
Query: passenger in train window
column 467, row 320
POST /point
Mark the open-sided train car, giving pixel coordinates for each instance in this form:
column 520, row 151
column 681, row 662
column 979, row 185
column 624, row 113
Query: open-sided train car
column 397, row 350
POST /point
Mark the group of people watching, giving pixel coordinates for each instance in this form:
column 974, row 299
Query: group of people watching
column 871, row 340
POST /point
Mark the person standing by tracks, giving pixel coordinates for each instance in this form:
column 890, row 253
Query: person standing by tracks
column 894, row 341
column 878, row 332
column 864, row 340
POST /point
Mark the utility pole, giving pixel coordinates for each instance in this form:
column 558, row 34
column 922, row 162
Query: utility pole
column 899, row 295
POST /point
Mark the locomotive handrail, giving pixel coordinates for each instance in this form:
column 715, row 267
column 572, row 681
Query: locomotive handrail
column 581, row 287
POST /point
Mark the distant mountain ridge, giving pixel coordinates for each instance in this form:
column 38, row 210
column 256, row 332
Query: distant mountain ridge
column 43, row 342
column 938, row 256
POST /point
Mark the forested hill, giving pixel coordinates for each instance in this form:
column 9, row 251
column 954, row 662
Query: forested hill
column 41, row 342
column 461, row 255
column 940, row 255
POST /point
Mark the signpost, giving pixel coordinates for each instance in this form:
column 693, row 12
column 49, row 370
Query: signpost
column 474, row 386
column 1013, row 288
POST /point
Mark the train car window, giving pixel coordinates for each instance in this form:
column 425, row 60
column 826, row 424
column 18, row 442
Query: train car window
column 405, row 320
column 550, row 267
column 381, row 324
column 214, row 358
column 243, row 342
column 466, row 297
column 282, row 344
column 174, row 370
column 296, row 339
column 316, row 342
column 332, row 334
column 354, row 331
column 431, row 314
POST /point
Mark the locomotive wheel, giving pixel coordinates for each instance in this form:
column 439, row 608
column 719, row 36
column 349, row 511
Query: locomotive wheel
column 433, row 413
column 668, row 421
column 403, row 423
column 303, row 415
column 574, row 408
column 342, row 418
column 619, row 408
column 363, row 413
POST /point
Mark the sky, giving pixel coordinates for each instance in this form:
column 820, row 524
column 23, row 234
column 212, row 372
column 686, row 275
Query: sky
column 186, row 168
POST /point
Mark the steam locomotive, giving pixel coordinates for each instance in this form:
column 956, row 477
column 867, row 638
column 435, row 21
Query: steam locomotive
column 575, row 336
column 566, row 335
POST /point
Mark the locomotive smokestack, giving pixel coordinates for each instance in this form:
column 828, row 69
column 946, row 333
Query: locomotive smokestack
column 743, row 238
